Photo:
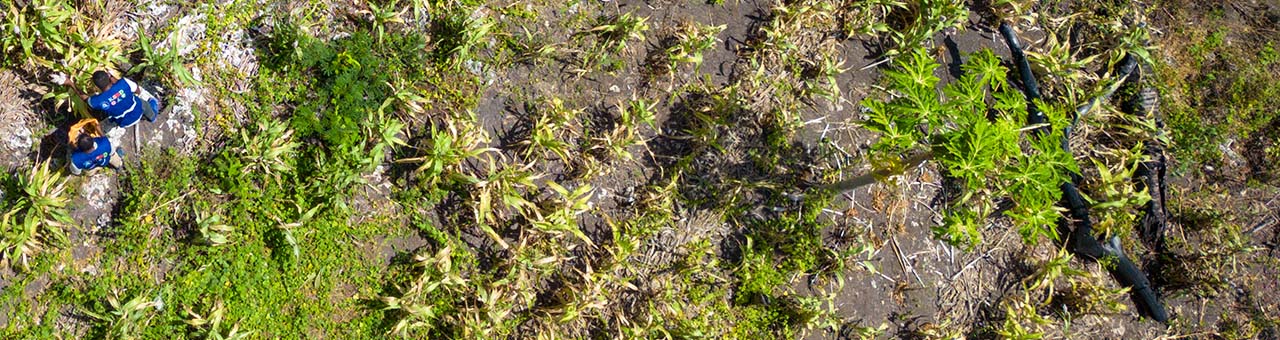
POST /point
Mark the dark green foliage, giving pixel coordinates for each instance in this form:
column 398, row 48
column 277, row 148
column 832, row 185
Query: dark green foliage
column 348, row 79
column 340, row 92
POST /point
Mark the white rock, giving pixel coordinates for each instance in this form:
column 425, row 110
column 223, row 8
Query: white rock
column 95, row 190
column 179, row 125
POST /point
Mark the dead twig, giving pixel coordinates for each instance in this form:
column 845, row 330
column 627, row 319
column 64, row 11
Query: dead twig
column 167, row 203
column 902, row 260
column 966, row 267
column 909, row 163
column 1265, row 223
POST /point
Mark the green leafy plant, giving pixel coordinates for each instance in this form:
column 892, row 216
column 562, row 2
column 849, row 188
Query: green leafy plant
column 1115, row 194
column 1058, row 63
column 125, row 320
column 1010, row 10
column 983, row 154
column 1022, row 322
column 531, row 47
column 418, row 305
column 385, row 132
column 463, row 35
column 867, row 17
column 167, row 63
column 1058, row 267
column 506, row 186
column 873, row 332
column 560, row 215
column 36, row 215
column 551, row 128
column 286, row 229
column 267, row 149
column 918, row 21
column 385, row 15
column 613, row 143
column 212, row 231
column 613, row 33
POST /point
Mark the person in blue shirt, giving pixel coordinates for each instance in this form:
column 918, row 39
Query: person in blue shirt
column 121, row 100
column 90, row 153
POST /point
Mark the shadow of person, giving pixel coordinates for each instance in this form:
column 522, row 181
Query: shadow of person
column 53, row 146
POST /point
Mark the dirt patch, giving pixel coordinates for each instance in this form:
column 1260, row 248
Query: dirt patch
column 342, row 294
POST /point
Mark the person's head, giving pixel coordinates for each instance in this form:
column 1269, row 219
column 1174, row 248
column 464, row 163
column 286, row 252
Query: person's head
column 102, row 79
column 85, row 143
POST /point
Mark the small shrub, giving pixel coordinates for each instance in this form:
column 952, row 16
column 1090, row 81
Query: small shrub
column 984, row 147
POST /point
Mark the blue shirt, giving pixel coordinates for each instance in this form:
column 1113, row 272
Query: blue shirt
column 122, row 106
column 100, row 156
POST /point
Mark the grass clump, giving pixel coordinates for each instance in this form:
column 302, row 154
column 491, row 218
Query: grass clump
column 35, row 214
column 125, row 320
column 210, row 324
column 612, row 35
column 690, row 40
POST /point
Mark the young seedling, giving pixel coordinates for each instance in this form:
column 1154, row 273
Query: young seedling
column 625, row 133
column 867, row 18
column 920, row 21
column 691, row 39
column 614, row 33
column 286, row 230
column 1022, row 321
column 531, row 48
column 560, row 216
column 268, row 150
column 166, row 63
column 506, row 186
column 465, row 35
column 386, row 15
column 1060, row 62
column 611, row 38
column 415, row 306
